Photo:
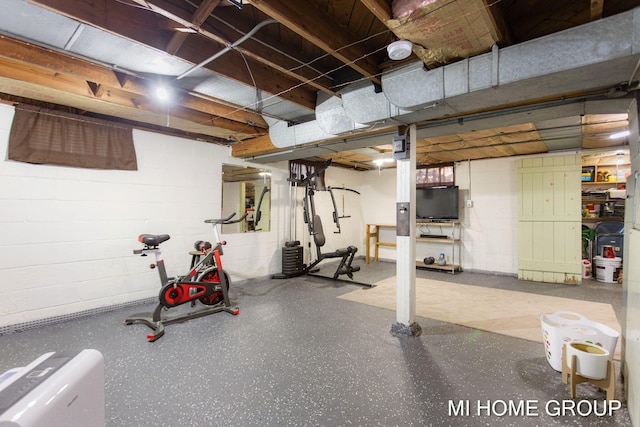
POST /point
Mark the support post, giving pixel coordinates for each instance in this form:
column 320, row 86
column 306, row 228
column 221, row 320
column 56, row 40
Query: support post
column 406, row 243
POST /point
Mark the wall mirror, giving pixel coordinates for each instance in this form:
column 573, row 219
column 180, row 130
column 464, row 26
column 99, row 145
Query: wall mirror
column 246, row 190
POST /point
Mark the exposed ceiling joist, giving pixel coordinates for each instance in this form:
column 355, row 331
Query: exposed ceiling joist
column 271, row 49
column 250, row 48
column 141, row 23
column 596, row 9
column 316, row 27
column 59, row 63
column 380, row 8
column 198, row 18
column 104, row 53
column 33, row 64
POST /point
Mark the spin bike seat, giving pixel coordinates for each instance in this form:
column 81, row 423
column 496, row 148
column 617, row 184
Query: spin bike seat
column 153, row 239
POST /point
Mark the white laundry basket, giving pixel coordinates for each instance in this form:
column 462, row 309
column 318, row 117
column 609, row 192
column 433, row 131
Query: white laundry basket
column 563, row 327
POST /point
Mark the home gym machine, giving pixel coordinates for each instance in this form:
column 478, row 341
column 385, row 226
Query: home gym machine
column 205, row 282
column 314, row 225
column 256, row 221
column 337, row 217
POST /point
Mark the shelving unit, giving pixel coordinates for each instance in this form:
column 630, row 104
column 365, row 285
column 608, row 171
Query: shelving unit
column 617, row 215
column 604, row 176
column 597, row 180
column 452, row 231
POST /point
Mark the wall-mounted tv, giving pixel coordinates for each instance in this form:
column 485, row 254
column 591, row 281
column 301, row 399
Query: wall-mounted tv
column 437, row 203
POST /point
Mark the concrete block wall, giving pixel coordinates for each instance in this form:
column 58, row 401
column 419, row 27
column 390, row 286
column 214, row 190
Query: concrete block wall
column 68, row 233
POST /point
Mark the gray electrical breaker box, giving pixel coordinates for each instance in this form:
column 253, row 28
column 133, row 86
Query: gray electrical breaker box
column 400, row 147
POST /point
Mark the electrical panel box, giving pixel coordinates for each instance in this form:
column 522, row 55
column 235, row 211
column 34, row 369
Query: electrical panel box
column 400, row 147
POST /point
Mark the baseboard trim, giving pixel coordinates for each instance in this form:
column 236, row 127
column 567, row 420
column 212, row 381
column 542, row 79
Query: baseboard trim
column 32, row 324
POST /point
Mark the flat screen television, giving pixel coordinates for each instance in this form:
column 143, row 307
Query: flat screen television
column 437, row 203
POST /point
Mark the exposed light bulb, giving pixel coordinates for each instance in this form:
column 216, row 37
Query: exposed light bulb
column 162, row 93
column 619, row 135
column 381, row 161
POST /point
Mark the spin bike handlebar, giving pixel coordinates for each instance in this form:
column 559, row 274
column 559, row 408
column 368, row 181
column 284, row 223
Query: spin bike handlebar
column 226, row 220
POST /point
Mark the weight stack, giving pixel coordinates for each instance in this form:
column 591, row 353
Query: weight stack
column 292, row 260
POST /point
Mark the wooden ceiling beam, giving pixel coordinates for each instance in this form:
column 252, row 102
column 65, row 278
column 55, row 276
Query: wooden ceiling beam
column 262, row 145
column 144, row 25
column 316, row 27
column 254, row 147
column 274, row 54
column 229, row 112
column 243, row 130
column 89, row 90
column 201, row 14
column 380, row 8
column 250, row 48
column 47, row 78
column 47, row 58
column 104, row 77
column 596, row 8
column 33, row 74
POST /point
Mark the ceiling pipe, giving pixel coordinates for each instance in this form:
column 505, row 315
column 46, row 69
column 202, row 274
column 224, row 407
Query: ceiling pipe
column 228, row 48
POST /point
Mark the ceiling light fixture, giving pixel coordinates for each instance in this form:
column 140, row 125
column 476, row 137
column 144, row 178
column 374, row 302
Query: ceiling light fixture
column 399, row 49
column 379, row 162
column 162, row 93
column 619, row 135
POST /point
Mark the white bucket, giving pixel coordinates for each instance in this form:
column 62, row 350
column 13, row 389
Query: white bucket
column 607, row 269
column 563, row 327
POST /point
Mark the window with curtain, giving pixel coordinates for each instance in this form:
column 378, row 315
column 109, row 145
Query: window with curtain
column 43, row 136
column 435, row 176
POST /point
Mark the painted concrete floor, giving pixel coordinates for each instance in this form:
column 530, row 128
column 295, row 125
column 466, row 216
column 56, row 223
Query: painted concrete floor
column 298, row 356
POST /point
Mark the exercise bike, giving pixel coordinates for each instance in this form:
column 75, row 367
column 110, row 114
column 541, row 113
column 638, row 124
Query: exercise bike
column 206, row 282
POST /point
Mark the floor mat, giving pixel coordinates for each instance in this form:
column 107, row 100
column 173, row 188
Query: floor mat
column 512, row 313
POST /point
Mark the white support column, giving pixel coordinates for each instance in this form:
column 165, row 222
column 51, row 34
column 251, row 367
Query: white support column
column 406, row 245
